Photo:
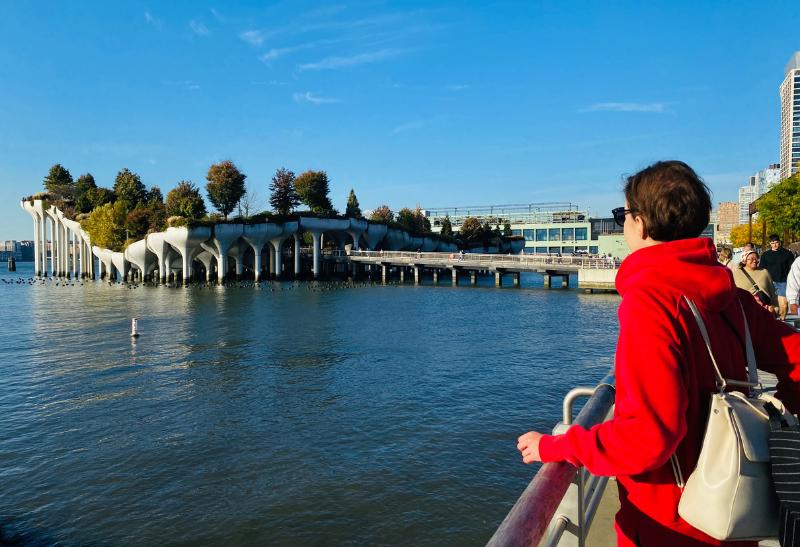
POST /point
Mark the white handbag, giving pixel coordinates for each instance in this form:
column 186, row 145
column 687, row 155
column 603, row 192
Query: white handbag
column 730, row 494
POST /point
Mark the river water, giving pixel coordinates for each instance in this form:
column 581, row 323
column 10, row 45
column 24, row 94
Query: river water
column 290, row 414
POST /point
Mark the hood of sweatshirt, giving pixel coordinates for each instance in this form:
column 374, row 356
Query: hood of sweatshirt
column 687, row 266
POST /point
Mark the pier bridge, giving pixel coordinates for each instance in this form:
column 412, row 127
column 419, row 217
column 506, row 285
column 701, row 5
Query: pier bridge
column 593, row 272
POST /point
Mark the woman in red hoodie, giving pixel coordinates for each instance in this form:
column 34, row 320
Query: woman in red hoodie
column 664, row 376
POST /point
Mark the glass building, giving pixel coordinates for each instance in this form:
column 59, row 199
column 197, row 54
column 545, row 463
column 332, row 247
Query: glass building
column 790, row 118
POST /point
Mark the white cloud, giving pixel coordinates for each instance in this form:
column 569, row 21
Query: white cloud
column 276, row 52
column 152, row 19
column 342, row 62
column 409, row 126
column 658, row 108
column 217, row 15
column 253, row 37
column 199, row 28
column 309, row 97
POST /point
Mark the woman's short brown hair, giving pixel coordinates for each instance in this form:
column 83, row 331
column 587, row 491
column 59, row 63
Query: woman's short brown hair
column 672, row 200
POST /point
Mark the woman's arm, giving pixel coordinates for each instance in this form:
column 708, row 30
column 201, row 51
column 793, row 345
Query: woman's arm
column 651, row 401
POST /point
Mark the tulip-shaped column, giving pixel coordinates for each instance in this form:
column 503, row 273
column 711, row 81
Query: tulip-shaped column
column 257, row 235
column 225, row 235
column 317, row 226
column 287, row 229
column 187, row 242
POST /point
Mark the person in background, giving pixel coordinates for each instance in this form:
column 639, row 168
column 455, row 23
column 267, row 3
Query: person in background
column 664, row 375
column 756, row 280
column 778, row 260
column 725, row 256
column 793, row 286
column 737, row 255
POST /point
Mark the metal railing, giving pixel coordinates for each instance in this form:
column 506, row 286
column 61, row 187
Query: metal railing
column 476, row 259
column 560, row 498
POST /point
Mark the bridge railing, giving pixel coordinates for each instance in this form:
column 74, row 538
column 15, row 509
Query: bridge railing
column 479, row 259
column 560, row 498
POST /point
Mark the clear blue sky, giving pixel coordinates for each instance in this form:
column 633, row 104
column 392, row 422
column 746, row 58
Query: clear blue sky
column 447, row 104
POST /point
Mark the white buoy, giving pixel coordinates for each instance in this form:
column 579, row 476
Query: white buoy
column 135, row 327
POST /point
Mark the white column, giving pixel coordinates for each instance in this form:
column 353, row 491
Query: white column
column 80, row 256
column 278, row 262
column 257, row 263
column 316, row 248
column 296, row 255
column 37, row 271
column 187, row 266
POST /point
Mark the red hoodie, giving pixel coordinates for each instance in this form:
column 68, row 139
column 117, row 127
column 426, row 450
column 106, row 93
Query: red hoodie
column 664, row 379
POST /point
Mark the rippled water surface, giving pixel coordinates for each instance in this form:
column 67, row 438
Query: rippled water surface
column 303, row 414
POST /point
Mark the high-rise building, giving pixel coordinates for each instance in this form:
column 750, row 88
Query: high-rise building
column 759, row 184
column 727, row 217
column 790, row 118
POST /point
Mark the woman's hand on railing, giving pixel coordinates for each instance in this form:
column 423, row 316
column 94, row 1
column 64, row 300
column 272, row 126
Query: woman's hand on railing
column 528, row 445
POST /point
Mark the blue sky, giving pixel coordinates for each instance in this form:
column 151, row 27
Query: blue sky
column 437, row 104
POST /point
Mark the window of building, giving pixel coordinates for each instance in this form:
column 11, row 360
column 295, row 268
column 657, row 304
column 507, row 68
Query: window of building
column 541, row 234
column 568, row 250
column 593, row 249
column 528, row 234
column 568, row 234
column 516, row 232
column 580, row 234
column 581, row 248
column 554, row 250
column 541, row 250
column 555, row 234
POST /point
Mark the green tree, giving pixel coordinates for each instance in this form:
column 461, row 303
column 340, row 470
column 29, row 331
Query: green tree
column 313, row 189
column 185, row 201
column 382, row 214
column 283, row 195
column 225, row 186
column 414, row 221
column 154, row 195
column 129, row 189
column 99, row 196
column 470, row 229
column 83, row 185
column 507, row 229
column 405, row 218
column 59, row 182
column 780, row 207
column 137, row 222
column 353, row 209
column 106, row 226
column 447, row 227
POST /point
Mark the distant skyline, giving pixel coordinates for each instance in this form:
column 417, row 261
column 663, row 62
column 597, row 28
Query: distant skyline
column 437, row 104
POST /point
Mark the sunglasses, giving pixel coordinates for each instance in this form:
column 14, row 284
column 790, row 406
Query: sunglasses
column 619, row 215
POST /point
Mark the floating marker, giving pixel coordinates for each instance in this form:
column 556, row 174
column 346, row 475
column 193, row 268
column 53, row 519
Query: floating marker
column 134, row 327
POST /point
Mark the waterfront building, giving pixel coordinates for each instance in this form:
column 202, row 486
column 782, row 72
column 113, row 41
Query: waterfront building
column 22, row 251
column 546, row 227
column 790, row 118
column 758, row 185
column 726, row 217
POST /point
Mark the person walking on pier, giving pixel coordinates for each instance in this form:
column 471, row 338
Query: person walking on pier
column 777, row 260
column 664, row 375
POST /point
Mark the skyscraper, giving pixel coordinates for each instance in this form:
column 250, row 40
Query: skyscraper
column 790, row 118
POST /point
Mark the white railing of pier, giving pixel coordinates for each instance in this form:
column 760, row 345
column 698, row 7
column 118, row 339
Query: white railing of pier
column 487, row 260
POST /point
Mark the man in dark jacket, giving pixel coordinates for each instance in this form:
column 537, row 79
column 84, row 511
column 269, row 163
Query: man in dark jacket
column 778, row 261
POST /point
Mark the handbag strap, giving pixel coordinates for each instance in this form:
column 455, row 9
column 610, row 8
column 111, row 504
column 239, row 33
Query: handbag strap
column 752, row 369
column 722, row 383
column 755, row 285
